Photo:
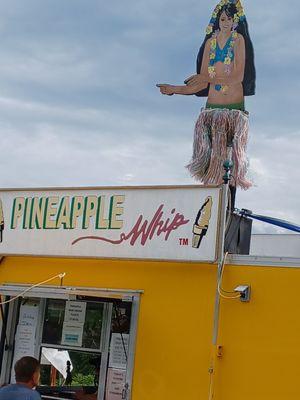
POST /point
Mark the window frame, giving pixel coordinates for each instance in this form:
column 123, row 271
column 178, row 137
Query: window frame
column 72, row 293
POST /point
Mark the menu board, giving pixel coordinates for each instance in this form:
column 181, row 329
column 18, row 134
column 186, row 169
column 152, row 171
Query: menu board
column 73, row 323
column 118, row 350
column 115, row 384
column 25, row 333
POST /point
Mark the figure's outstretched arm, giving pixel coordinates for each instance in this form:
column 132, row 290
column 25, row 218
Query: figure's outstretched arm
column 191, row 87
column 182, row 89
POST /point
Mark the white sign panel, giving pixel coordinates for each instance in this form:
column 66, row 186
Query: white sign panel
column 72, row 334
column 25, row 334
column 24, row 341
column 75, row 312
column 73, row 323
column 115, row 384
column 28, row 315
column 164, row 223
column 118, row 350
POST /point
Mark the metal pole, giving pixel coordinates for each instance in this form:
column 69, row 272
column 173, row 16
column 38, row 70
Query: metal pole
column 4, row 315
column 224, row 207
column 221, row 258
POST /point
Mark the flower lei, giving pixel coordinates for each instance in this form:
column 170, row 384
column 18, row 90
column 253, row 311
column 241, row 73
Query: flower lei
column 239, row 16
column 227, row 61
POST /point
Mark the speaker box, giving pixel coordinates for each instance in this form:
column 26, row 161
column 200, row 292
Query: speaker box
column 238, row 234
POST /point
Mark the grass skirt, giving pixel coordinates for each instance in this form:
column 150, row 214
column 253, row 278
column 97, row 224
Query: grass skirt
column 215, row 130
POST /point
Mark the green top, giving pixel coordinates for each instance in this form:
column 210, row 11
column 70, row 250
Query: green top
column 234, row 106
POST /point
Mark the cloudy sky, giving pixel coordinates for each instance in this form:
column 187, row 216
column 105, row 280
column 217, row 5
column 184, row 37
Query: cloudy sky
column 79, row 107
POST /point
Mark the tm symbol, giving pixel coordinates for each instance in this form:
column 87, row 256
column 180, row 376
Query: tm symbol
column 184, row 241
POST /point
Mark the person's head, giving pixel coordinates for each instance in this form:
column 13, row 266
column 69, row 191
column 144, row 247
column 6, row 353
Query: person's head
column 225, row 18
column 229, row 13
column 27, row 371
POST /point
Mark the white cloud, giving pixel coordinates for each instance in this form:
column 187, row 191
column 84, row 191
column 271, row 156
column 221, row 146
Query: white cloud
column 276, row 177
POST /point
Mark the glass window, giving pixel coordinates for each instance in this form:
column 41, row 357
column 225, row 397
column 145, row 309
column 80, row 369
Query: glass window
column 121, row 316
column 67, row 371
column 53, row 321
column 86, row 333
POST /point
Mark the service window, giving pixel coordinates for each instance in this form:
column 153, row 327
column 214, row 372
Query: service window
column 85, row 346
column 73, row 323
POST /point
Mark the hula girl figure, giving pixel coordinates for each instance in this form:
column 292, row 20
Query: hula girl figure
column 225, row 74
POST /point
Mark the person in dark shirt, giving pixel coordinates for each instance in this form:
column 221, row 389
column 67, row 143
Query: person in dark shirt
column 27, row 371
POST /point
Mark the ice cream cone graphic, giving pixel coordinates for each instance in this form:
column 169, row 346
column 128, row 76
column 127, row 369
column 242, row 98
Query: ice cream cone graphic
column 202, row 222
column 1, row 221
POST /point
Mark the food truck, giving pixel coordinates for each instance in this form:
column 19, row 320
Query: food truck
column 126, row 293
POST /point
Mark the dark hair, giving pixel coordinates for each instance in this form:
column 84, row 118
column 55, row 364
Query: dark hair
column 242, row 28
column 25, row 368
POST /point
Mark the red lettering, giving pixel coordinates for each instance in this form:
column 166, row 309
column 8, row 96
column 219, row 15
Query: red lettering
column 144, row 230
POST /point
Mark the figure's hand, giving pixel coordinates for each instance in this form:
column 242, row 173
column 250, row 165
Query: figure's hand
column 194, row 80
column 187, row 80
column 165, row 89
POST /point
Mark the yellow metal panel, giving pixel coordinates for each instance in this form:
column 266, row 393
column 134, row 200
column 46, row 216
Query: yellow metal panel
column 175, row 321
column 260, row 353
column 260, row 339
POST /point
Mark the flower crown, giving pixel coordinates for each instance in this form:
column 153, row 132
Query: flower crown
column 239, row 16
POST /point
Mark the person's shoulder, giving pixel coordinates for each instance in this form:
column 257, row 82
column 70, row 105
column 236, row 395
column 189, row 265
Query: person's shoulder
column 21, row 389
column 34, row 395
column 7, row 392
column 6, row 388
column 240, row 38
column 209, row 41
